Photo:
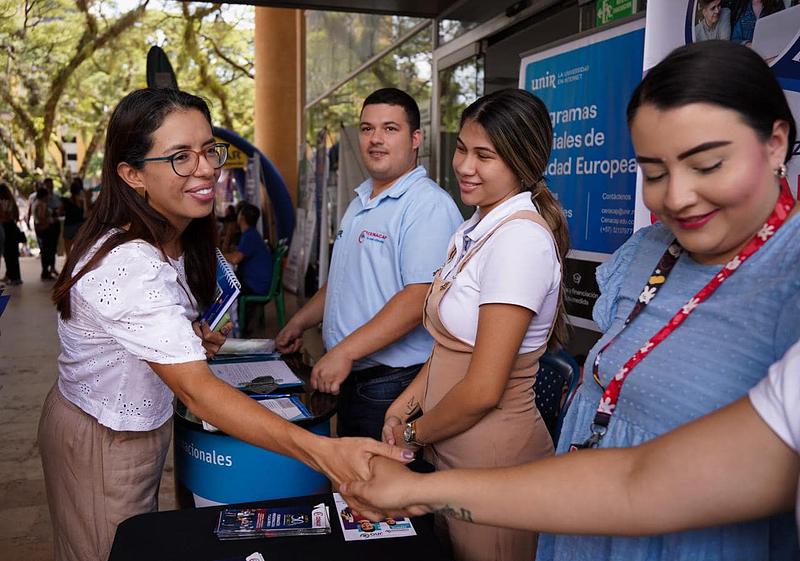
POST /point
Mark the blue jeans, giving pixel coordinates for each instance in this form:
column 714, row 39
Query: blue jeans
column 365, row 396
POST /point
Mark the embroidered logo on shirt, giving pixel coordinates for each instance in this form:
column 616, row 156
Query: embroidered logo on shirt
column 366, row 235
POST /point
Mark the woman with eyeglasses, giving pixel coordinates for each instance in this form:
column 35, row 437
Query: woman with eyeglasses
column 713, row 21
column 140, row 270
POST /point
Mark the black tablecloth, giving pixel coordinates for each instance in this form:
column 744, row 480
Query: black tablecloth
column 188, row 535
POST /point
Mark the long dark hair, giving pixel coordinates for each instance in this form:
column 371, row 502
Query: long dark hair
column 518, row 124
column 128, row 139
column 13, row 209
column 719, row 73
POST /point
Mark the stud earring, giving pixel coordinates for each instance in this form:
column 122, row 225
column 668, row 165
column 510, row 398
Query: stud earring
column 780, row 173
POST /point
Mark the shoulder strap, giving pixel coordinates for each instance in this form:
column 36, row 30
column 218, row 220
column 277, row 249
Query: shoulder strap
column 519, row 215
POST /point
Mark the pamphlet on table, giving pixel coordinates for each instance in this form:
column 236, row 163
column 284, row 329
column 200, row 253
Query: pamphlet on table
column 244, row 523
column 357, row 528
column 241, row 373
column 288, row 407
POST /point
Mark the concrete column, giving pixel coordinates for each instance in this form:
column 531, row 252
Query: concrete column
column 280, row 88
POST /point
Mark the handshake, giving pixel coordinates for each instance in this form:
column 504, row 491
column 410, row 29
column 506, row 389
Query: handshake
column 386, row 491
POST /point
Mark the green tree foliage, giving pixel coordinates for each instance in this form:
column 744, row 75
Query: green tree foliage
column 337, row 43
column 65, row 64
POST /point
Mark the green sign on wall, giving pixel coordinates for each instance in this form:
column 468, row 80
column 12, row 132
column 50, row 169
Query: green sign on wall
column 609, row 10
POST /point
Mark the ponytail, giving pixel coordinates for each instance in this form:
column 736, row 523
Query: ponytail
column 552, row 212
column 518, row 125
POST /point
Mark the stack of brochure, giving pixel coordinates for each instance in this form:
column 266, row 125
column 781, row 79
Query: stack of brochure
column 244, row 523
column 233, row 346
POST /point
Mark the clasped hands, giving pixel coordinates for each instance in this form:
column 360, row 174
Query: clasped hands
column 386, row 492
column 378, row 488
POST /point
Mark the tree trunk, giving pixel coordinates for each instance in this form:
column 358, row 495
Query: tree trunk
column 89, row 42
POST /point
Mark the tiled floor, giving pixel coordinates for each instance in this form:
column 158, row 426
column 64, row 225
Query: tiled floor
column 28, row 351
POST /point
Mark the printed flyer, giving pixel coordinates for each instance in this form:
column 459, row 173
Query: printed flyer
column 357, row 528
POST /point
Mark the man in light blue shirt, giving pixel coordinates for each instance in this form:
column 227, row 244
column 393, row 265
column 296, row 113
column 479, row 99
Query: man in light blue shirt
column 392, row 239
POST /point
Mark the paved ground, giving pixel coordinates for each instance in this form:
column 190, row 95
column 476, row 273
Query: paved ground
column 28, row 351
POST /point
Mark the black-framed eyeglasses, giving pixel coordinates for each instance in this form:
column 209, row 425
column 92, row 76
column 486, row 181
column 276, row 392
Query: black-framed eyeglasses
column 185, row 162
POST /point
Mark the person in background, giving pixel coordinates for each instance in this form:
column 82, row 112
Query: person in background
column 492, row 310
column 48, row 230
column 9, row 216
column 229, row 230
column 391, row 240
column 252, row 257
column 745, row 14
column 713, row 21
column 43, row 220
column 141, row 269
column 74, row 210
column 53, row 233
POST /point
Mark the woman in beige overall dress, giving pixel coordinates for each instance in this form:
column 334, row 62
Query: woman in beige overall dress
column 492, row 310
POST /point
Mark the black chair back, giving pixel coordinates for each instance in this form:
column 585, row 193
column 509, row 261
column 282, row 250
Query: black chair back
column 557, row 377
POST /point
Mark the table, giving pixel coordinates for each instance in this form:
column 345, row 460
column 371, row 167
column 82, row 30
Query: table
column 213, row 468
column 188, row 535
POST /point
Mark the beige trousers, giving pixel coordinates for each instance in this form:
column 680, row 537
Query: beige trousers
column 95, row 477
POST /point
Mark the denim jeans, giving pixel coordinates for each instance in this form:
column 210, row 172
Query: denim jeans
column 365, row 396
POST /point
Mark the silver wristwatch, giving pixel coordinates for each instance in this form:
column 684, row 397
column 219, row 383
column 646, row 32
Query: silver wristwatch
column 410, row 434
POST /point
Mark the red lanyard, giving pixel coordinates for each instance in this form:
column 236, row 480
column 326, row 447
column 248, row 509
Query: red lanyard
column 610, row 397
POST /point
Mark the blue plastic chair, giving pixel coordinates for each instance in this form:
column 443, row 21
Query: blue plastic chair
column 275, row 293
column 555, row 386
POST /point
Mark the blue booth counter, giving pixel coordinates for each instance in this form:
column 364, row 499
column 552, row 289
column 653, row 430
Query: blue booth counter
column 212, row 468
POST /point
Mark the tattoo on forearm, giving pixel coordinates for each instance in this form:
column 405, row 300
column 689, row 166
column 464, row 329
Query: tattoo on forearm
column 412, row 407
column 459, row 513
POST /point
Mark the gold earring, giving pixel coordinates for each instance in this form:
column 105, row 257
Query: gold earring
column 141, row 191
column 780, row 173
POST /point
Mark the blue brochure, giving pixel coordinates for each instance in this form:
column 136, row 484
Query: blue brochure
column 228, row 288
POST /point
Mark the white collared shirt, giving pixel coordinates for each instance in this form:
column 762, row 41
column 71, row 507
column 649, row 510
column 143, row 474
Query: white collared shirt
column 517, row 265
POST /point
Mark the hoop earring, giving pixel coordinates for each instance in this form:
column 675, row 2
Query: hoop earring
column 780, row 173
